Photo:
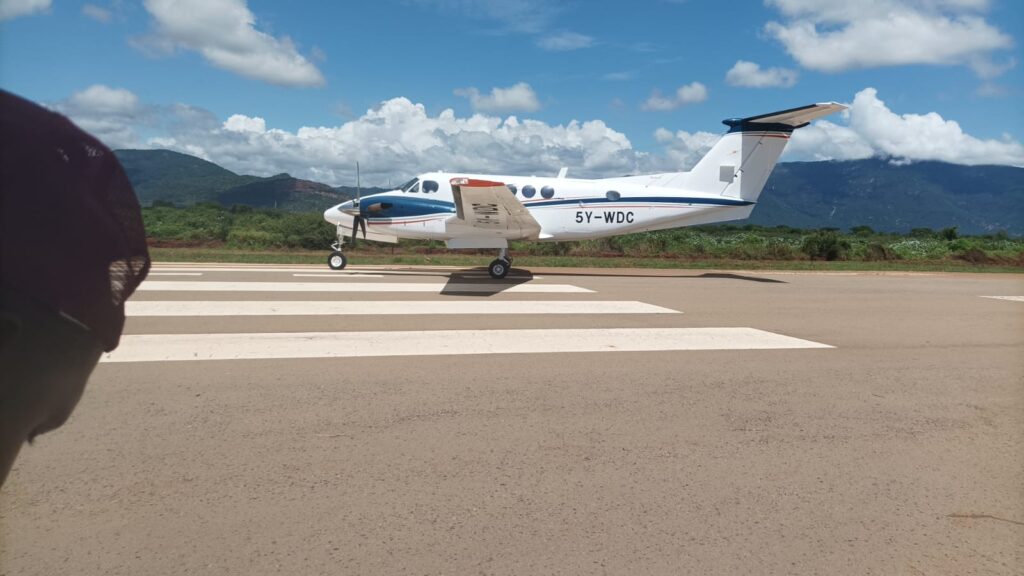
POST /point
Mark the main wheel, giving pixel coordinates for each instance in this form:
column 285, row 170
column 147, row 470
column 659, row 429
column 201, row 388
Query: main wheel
column 498, row 269
column 337, row 260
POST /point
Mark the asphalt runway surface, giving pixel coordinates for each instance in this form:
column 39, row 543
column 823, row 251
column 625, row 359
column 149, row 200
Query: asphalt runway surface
column 290, row 420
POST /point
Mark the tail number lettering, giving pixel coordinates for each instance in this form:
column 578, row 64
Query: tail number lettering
column 608, row 216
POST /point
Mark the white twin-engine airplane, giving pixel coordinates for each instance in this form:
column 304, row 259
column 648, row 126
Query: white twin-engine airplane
column 486, row 211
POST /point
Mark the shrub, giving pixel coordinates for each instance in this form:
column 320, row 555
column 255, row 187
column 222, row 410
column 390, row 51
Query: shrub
column 825, row 245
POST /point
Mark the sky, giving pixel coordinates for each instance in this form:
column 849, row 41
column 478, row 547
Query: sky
column 605, row 88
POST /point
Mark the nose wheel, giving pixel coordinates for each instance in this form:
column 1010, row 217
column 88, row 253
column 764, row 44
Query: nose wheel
column 337, row 260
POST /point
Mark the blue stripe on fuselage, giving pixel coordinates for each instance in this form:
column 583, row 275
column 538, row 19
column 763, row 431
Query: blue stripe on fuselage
column 410, row 207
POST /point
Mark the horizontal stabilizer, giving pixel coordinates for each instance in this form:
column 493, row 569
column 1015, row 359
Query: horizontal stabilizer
column 787, row 120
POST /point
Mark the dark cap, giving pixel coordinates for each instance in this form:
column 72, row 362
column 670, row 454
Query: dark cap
column 71, row 230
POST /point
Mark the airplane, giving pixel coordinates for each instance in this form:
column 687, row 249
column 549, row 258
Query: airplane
column 484, row 211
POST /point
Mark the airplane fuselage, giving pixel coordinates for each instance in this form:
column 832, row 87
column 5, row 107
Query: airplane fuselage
column 565, row 208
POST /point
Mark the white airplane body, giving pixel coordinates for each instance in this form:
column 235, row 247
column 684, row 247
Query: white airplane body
column 482, row 211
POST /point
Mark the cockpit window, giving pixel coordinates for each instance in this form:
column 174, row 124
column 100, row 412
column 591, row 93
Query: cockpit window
column 407, row 187
column 429, row 186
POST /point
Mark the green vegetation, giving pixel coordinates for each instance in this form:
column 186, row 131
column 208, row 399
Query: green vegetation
column 209, row 232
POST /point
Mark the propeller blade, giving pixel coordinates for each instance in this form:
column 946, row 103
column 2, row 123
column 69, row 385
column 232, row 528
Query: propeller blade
column 357, row 223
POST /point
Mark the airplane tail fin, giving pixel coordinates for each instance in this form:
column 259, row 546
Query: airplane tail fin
column 739, row 164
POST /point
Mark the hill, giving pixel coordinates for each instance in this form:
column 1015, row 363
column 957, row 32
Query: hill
column 891, row 197
column 285, row 192
column 167, row 176
column 877, row 193
column 176, row 177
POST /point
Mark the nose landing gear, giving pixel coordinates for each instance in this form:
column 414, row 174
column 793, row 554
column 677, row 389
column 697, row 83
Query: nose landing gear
column 337, row 260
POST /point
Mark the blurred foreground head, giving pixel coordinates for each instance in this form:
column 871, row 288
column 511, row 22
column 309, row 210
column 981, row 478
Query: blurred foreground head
column 72, row 249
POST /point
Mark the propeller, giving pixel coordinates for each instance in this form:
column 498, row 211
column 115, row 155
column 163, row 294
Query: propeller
column 357, row 218
column 358, row 222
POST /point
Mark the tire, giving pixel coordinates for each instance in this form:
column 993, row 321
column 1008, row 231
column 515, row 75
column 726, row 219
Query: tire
column 498, row 269
column 337, row 261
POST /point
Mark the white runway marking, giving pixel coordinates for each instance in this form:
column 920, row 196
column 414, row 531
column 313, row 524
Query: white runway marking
column 151, row 273
column 436, row 287
column 348, row 308
column 161, row 268
column 183, row 347
column 1010, row 298
column 339, row 275
column 384, row 273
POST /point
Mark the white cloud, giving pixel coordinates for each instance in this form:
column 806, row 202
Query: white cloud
column 925, row 136
column 750, row 74
column 97, row 13
column 398, row 139
column 516, row 98
column 242, row 123
column 837, row 36
column 10, row 9
column 224, row 32
column 871, row 129
column 691, row 93
column 114, row 115
column 564, row 41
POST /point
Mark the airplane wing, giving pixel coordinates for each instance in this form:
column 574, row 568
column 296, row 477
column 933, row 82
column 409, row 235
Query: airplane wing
column 485, row 208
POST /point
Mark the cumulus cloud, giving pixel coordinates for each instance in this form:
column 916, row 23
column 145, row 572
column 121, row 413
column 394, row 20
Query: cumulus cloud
column 867, row 129
column 398, row 138
column 10, row 9
column 516, row 98
column 750, row 75
column 564, row 41
column 837, row 36
column 691, row 93
column 925, row 136
column 114, row 115
column 224, row 32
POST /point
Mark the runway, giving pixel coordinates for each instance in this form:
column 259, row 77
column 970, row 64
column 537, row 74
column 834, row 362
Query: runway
column 286, row 419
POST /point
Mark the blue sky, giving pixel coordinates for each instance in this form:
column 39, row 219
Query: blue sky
column 262, row 87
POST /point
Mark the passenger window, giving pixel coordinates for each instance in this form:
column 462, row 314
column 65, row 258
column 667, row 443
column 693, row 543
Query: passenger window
column 529, row 191
column 512, row 188
column 547, row 191
column 613, row 195
column 429, row 186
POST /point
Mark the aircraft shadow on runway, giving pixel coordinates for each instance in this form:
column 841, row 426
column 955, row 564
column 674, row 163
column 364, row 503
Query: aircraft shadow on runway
column 483, row 284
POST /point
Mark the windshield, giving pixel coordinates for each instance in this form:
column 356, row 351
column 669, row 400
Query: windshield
column 408, row 185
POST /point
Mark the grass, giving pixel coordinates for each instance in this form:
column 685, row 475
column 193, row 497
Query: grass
column 213, row 233
column 357, row 257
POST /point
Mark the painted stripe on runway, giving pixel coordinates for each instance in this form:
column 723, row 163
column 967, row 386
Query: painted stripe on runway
column 138, row 308
column 1010, row 298
column 151, row 273
column 337, row 275
column 184, row 347
column 234, row 269
column 435, row 287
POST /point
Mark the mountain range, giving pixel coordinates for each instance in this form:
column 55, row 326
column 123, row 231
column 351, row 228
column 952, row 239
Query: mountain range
column 884, row 195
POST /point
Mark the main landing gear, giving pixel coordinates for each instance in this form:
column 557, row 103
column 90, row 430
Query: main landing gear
column 499, row 268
